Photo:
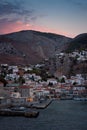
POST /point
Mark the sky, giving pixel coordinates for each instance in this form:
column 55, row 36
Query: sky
column 65, row 17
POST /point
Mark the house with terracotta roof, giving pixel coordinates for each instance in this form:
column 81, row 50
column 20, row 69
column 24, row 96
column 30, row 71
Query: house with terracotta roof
column 26, row 91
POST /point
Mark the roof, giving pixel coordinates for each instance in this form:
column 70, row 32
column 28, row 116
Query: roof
column 26, row 87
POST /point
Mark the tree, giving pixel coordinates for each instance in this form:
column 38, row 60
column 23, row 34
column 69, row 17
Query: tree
column 50, row 84
column 21, row 80
column 62, row 80
column 74, row 83
column 3, row 81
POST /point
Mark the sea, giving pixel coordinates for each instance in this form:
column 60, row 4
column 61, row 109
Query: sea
column 59, row 115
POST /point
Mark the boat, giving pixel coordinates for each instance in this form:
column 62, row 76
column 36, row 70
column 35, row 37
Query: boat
column 79, row 98
column 66, row 97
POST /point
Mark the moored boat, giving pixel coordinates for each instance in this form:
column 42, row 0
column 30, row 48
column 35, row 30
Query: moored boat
column 80, row 98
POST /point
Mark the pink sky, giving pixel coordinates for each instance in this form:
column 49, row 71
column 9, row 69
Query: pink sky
column 18, row 26
column 64, row 17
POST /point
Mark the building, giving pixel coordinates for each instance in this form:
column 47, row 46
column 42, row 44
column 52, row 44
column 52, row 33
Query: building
column 26, row 91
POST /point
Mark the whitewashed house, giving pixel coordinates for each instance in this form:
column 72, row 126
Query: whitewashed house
column 15, row 95
column 14, row 68
column 52, row 80
column 77, row 79
column 78, row 90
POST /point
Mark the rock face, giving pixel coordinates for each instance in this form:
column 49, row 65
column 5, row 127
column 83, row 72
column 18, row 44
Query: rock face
column 30, row 47
column 68, row 65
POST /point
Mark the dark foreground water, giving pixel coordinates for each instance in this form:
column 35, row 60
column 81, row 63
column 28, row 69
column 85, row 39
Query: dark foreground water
column 60, row 115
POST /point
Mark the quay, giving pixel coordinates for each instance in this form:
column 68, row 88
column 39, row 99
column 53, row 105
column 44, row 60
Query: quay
column 38, row 105
column 19, row 112
column 42, row 105
column 24, row 110
column 8, row 112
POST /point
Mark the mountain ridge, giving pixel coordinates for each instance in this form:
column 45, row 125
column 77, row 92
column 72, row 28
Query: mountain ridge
column 78, row 43
column 31, row 46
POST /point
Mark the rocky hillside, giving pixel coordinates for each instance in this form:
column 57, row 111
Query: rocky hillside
column 69, row 65
column 32, row 47
column 78, row 43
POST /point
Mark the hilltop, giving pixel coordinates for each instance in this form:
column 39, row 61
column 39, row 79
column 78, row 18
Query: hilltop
column 78, row 43
column 30, row 47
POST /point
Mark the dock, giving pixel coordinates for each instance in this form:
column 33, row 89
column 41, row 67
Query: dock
column 42, row 105
column 14, row 112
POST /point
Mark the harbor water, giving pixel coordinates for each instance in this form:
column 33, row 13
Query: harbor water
column 59, row 115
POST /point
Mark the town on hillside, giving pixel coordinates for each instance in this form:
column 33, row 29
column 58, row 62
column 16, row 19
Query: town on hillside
column 27, row 85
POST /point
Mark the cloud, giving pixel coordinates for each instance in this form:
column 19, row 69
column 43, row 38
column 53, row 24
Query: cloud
column 82, row 4
column 15, row 16
column 7, row 7
column 15, row 10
